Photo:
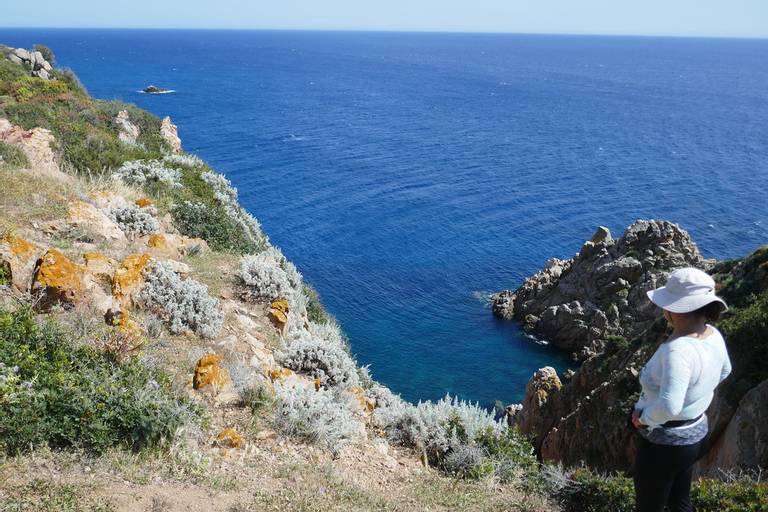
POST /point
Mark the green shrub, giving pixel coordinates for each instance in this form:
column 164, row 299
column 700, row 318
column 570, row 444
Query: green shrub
column 10, row 72
column 213, row 224
column 315, row 310
column 590, row 492
column 12, row 157
column 739, row 496
column 28, row 87
column 56, row 392
column 746, row 331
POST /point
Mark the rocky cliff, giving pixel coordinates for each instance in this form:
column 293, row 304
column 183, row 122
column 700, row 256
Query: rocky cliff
column 594, row 305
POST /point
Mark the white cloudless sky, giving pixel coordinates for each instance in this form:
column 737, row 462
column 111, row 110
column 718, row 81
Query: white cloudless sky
column 718, row 18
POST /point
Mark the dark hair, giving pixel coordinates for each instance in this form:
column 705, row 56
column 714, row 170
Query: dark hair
column 711, row 311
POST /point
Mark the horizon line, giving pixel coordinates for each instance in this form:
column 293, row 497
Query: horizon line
column 396, row 31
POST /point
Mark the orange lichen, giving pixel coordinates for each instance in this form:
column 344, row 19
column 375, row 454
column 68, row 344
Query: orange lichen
column 317, row 383
column 279, row 374
column 143, row 202
column 161, row 244
column 366, row 404
column 278, row 312
column 58, row 278
column 229, row 437
column 100, row 266
column 19, row 247
column 129, row 277
column 208, row 372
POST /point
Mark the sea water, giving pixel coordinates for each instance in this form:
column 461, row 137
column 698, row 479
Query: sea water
column 408, row 175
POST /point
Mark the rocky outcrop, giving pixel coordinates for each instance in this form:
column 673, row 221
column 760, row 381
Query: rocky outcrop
column 32, row 60
column 127, row 131
column 585, row 420
column 38, row 145
column 96, row 223
column 578, row 304
column 58, row 280
column 170, row 134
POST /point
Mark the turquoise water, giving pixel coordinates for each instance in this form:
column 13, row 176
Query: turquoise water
column 409, row 174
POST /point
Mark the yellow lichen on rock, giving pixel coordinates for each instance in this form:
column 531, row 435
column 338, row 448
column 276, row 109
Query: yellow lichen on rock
column 89, row 218
column 17, row 261
column 367, row 405
column 208, row 372
column 276, row 374
column 229, row 438
column 58, row 279
column 143, row 202
column 161, row 245
column 278, row 313
column 100, row 266
column 129, row 277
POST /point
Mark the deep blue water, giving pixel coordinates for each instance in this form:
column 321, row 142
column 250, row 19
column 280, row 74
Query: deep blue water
column 407, row 173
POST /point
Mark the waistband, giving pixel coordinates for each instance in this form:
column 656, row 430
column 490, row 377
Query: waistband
column 681, row 423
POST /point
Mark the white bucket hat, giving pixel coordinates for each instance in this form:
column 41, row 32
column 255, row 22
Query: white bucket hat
column 687, row 289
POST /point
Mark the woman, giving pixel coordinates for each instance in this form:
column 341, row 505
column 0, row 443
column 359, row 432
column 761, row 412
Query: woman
column 678, row 385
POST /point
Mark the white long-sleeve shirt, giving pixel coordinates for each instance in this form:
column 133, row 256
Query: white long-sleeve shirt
column 680, row 378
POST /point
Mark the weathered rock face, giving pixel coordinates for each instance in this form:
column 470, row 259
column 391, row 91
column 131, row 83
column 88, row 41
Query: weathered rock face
column 59, row 280
column 38, row 146
column 17, row 261
column 541, row 386
column 127, row 131
column 208, row 372
column 170, row 134
column 578, row 303
column 95, row 222
column 129, row 278
column 744, row 443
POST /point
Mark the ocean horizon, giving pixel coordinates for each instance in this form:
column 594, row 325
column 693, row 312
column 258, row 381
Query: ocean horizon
column 408, row 175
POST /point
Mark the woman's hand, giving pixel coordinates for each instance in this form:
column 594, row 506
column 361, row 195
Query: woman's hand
column 636, row 420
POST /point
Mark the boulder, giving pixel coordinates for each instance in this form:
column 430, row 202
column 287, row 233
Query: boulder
column 208, row 372
column 129, row 278
column 101, row 267
column 94, row 221
column 127, row 131
column 59, row 280
column 38, row 145
column 15, row 59
column 170, row 134
column 17, row 261
column 278, row 313
column 22, row 54
column 229, row 438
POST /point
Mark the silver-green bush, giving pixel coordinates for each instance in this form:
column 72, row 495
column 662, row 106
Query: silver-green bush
column 269, row 276
column 183, row 303
column 320, row 359
column 141, row 172
column 326, row 417
column 134, row 220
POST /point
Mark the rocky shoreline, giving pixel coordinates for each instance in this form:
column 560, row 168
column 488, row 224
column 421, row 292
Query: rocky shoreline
column 594, row 306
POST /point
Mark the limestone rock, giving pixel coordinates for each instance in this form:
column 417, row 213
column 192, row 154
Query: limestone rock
column 107, row 199
column 172, row 246
column 170, row 134
column 208, row 372
column 129, row 278
column 127, row 131
column 59, row 280
column 17, row 261
column 94, row 221
column 278, row 313
column 100, row 266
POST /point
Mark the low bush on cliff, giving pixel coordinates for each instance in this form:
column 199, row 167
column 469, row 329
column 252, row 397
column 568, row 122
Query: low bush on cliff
column 268, row 276
column 134, row 220
column 325, row 416
column 54, row 391
column 212, row 223
column 183, row 303
column 320, row 359
column 590, row 492
column 458, row 437
column 12, row 157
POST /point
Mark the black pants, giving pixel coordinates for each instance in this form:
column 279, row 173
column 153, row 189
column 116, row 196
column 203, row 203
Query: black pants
column 663, row 476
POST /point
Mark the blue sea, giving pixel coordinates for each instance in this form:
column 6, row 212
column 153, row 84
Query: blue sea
column 408, row 174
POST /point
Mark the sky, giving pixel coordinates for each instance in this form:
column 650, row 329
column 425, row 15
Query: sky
column 715, row 18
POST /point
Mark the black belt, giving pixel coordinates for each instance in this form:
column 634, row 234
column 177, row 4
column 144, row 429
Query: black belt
column 681, row 423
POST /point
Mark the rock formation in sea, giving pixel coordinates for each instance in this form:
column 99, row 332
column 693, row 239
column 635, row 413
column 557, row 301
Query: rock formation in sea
column 594, row 305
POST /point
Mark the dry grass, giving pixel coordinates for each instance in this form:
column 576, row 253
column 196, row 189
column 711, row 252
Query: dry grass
column 28, row 198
